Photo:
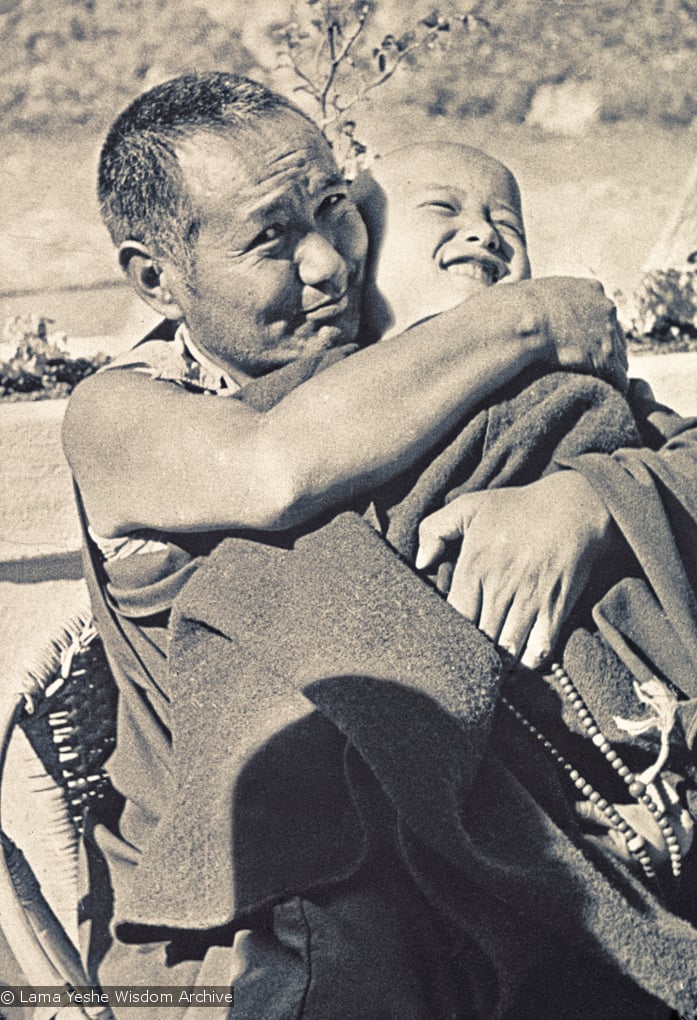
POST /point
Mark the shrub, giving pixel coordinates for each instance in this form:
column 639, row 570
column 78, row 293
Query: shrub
column 40, row 368
column 665, row 310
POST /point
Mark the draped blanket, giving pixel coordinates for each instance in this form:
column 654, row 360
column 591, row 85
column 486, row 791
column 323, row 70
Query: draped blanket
column 315, row 675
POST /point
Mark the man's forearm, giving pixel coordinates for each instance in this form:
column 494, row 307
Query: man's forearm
column 378, row 411
column 147, row 454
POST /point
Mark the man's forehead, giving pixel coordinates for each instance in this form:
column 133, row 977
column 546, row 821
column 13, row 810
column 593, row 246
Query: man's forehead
column 259, row 166
column 307, row 167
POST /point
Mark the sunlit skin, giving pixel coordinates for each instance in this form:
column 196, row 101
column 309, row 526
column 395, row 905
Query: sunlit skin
column 451, row 224
column 278, row 258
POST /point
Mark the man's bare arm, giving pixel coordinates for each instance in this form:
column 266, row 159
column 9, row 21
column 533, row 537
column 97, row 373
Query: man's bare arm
column 147, row 454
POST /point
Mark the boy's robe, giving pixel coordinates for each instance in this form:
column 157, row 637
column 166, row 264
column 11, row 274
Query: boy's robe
column 315, row 675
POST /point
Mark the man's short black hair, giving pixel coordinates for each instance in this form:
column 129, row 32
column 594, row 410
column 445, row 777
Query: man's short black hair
column 141, row 191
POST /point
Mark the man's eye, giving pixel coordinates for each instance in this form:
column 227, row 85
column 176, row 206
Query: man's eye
column 269, row 234
column 331, row 202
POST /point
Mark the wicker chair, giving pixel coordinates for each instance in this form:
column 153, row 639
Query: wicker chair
column 56, row 734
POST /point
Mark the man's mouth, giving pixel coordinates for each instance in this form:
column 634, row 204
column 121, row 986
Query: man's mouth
column 486, row 271
column 327, row 309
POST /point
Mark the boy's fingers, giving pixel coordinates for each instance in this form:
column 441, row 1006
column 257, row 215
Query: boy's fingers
column 431, row 548
column 495, row 610
column 516, row 630
column 612, row 838
column 466, row 596
column 540, row 642
column 442, row 526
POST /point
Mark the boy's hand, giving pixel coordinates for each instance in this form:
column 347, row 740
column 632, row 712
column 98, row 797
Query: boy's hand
column 525, row 557
column 582, row 328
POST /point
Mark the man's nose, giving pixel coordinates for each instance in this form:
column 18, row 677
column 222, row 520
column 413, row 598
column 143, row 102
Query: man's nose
column 320, row 263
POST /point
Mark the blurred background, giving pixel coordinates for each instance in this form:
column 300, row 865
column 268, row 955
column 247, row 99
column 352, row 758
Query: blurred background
column 592, row 104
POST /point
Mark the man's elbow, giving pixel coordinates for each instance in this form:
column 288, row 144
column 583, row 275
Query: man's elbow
column 272, row 500
column 278, row 495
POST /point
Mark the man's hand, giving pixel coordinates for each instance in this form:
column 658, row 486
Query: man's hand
column 526, row 555
column 582, row 327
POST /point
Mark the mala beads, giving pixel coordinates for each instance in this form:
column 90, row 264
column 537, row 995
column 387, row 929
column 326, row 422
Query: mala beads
column 637, row 789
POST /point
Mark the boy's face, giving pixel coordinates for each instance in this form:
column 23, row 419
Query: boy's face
column 278, row 260
column 452, row 224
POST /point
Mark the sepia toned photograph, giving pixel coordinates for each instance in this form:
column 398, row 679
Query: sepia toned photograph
column 348, row 506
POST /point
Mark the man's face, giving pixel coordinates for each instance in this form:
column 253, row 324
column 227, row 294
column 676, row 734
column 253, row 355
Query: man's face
column 278, row 260
column 453, row 224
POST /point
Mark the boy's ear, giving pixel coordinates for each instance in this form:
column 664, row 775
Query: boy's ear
column 371, row 202
column 149, row 279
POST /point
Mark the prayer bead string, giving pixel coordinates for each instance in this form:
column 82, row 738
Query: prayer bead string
column 636, row 844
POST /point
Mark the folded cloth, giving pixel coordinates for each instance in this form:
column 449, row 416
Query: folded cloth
column 412, row 686
column 285, row 656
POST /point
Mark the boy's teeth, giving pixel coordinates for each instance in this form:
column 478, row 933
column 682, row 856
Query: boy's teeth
column 476, row 270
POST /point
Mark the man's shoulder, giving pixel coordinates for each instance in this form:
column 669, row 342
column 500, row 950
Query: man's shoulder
column 101, row 401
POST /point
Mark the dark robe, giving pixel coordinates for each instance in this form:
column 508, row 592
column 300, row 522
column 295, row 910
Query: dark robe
column 297, row 668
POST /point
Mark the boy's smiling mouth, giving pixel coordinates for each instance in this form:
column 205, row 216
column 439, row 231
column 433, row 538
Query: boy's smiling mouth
column 487, row 271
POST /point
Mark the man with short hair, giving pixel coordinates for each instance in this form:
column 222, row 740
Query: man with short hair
column 232, row 222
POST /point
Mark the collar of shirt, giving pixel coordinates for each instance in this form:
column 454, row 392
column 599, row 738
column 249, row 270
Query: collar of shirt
column 208, row 375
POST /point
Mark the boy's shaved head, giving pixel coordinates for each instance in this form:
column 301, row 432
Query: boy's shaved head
column 400, row 166
column 445, row 220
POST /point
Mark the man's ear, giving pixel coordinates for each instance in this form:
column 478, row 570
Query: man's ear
column 148, row 277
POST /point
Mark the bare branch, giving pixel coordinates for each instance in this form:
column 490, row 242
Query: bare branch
column 307, row 84
column 321, row 57
column 331, row 28
column 382, row 78
column 337, row 59
column 286, row 58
